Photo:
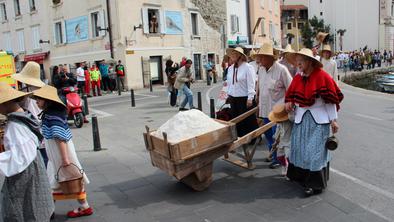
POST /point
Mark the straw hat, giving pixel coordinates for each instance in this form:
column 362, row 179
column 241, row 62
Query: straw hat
column 267, row 49
column 288, row 49
column 237, row 50
column 7, row 93
column 252, row 54
column 326, row 48
column 48, row 92
column 278, row 113
column 30, row 75
column 321, row 37
column 304, row 52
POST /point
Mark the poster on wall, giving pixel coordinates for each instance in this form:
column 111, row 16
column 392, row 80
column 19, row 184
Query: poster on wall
column 77, row 29
column 174, row 23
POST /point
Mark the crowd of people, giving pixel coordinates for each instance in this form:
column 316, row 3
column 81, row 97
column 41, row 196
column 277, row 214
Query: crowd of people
column 359, row 60
column 39, row 161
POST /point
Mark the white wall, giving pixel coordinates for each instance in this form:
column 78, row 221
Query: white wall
column 237, row 7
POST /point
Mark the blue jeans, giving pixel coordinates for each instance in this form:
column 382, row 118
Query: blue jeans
column 188, row 97
column 269, row 135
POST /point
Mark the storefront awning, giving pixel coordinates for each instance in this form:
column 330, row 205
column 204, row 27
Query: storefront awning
column 38, row 57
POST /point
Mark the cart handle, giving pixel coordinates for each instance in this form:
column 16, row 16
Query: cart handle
column 244, row 115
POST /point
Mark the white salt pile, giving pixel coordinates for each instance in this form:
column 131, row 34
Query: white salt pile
column 186, row 125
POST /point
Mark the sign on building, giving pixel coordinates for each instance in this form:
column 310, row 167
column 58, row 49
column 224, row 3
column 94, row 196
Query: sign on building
column 174, row 23
column 77, row 29
column 7, row 68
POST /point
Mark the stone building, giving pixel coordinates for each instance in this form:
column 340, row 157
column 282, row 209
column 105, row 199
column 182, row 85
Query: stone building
column 293, row 19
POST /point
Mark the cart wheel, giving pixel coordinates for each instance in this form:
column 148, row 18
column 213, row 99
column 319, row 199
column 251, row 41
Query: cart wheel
column 200, row 179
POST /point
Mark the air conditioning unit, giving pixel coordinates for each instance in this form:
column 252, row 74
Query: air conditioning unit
column 55, row 2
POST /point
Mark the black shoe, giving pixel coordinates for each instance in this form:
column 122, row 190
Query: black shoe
column 53, row 216
column 182, row 109
column 267, row 160
column 317, row 191
column 308, row 192
column 193, row 107
column 274, row 165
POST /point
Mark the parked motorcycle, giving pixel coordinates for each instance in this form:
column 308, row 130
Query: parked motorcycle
column 74, row 105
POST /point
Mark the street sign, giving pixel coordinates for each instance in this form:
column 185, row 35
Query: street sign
column 7, row 68
column 129, row 52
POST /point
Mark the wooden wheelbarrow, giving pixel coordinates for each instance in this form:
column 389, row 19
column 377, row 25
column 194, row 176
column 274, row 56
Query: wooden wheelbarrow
column 191, row 161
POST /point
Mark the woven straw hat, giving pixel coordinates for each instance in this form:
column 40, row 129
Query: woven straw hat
column 304, row 52
column 252, row 54
column 48, row 92
column 288, row 49
column 30, row 75
column 237, row 50
column 278, row 113
column 321, row 37
column 267, row 49
column 326, row 48
column 7, row 93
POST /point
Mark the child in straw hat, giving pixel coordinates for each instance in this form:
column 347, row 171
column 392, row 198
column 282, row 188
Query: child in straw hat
column 58, row 141
column 329, row 64
column 26, row 190
column 282, row 134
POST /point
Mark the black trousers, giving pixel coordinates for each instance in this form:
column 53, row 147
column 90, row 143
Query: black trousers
column 106, row 83
column 238, row 107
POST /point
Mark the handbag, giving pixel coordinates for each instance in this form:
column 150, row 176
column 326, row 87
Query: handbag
column 223, row 113
column 74, row 183
column 331, row 143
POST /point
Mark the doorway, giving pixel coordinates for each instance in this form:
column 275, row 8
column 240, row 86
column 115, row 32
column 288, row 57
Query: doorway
column 197, row 66
column 156, row 70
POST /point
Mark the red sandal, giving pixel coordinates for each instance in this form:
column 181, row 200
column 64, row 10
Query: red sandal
column 80, row 213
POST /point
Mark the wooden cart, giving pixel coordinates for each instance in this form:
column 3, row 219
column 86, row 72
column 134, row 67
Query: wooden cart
column 191, row 161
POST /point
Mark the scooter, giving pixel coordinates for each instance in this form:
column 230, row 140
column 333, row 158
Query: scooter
column 74, row 106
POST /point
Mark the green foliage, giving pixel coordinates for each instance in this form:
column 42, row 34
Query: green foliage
column 310, row 30
column 307, row 35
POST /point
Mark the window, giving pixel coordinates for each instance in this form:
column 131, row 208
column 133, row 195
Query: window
column 271, row 29
column 152, row 19
column 270, row 5
column 21, row 40
column 262, row 4
column 321, row 13
column 7, row 41
column 321, row 1
column 32, row 4
column 35, row 33
column 288, row 26
column 17, row 8
column 392, row 8
column 59, row 33
column 300, row 26
column 94, row 17
column 234, row 24
column 3, row 12
column 194, row 20
column 263, row 27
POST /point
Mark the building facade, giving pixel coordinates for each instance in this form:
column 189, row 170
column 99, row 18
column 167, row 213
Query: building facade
column 293, row 19
column 237, row 23
column 22, row 25
column 386, row 25
column 143, row 34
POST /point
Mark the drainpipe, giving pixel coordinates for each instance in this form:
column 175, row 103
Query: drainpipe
column 110, row 30
column 248, row 21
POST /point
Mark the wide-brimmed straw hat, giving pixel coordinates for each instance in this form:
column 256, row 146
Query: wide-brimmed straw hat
column 288, row 49
column 49, row 93
column 30, row 75
column 236, row 50
column 321, row 37
column 252, row 54
column 267, row 49
column 7, row 93
column 326, row 48
column 278, row 113
column 304, row 52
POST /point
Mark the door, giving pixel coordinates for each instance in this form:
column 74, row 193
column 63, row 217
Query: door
column 156, row 70
column 197, row 66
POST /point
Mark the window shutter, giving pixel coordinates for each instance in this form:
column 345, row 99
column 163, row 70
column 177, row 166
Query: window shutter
column 145, row 20
column 237, row 23
column 162, row 22
column 102, row 22
column 63, row 26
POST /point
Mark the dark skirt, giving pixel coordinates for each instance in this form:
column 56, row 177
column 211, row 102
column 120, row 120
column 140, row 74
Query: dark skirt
column 316, row 180
column 238, row 107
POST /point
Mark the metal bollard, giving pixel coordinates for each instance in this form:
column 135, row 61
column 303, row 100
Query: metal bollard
column 96, row 134
column 118, row 84
column 212, row 106
column 150, row 86
column 214, row 78
column 199, row 101
column 132, row 98
column 208, row 79
column 85, row 104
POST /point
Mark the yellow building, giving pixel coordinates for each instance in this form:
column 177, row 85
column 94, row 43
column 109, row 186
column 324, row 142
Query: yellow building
column 293, row 19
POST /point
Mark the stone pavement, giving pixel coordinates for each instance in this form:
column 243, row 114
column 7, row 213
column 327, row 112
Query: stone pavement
column 126, row 187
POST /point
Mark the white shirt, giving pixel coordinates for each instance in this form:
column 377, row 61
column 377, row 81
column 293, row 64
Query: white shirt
column 283, row 131
column 317, row 57
column 330, row 66
column 255, row 66
column 32, row 107
column 80, row 74
column 20, row 146
column 322, row 112
column 272, row 87
column 244, row 84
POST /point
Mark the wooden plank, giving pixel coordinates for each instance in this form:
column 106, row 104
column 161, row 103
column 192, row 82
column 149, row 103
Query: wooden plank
column 244, row 115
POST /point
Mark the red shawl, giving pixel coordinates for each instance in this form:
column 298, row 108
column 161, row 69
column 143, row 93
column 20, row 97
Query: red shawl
column 304, row 90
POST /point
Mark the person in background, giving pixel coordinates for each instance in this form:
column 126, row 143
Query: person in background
column 26, row 191
column 104, row 70
column 87, row 80
column 185, row 75
column 60, row 147
column 120, row 73
column 284, row 60
column 183, row 62
column 81, row 78
column 329, row 65
column 95, row 77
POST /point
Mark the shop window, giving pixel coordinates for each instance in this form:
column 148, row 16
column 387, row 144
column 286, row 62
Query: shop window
column 17, row 8
column 3, row 12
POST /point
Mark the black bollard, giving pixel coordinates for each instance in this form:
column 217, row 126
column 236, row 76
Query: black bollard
column 118, row 84
column 85, row 104
column 132, row 98
column 96, row 134
column 150, row 86
column 214, row 78
column 199, row 106
column 212, row 106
